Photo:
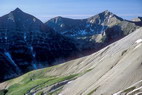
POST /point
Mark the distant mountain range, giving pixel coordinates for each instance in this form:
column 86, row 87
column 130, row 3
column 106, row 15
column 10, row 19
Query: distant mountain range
column 27, row 44
column 99, row 29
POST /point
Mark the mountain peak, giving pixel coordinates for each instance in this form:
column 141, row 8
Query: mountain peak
column 107, row 12
column 17, row 10
column 59, row 17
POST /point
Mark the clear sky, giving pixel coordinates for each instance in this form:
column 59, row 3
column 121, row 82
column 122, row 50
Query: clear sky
column 46, row 9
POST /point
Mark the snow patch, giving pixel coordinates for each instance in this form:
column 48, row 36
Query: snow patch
column 139, row 41
column 11, row 17
column 137, row 46
column 5, row 37
column 60, row 94
column 34, row 55
column 35, row 66
column 118, row 93
column 139, row 93
column 61, row 25
column 69, row 82
column 110, row 16
column 34, row 19
column 108, row 21
column 25, row 36
column 131, row 92
column 100, row 20
column 102, row 30
column 92, row 21
column 31, row 48
column 64, row 32
column 9, row 56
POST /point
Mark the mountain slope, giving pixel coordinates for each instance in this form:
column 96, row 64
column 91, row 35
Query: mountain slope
column 119, row 67
column 112, row 70
column 95, row 24
column 27, row 44
column 96, row 31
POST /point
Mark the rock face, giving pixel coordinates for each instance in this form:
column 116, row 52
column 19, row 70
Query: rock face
column 26, row 44
column 96, row 31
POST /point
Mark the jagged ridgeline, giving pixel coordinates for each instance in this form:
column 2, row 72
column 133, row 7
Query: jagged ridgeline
column 27, row 44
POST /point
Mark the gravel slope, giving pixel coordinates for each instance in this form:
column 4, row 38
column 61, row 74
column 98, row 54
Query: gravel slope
column 116, row 68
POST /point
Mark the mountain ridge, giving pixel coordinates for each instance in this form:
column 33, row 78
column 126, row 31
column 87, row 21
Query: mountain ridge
column 29, row 44
column 93, row 29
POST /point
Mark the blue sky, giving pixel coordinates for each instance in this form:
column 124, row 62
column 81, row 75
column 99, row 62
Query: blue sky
column 46, row 9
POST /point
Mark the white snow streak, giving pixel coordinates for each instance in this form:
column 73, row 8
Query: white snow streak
column 11, row 17
column 139, row 41
column 61, row 25
column 118, row 93
column 34, row 19
column 35, row 66
column 5, row 37
column 9, row 56
column 25, row 36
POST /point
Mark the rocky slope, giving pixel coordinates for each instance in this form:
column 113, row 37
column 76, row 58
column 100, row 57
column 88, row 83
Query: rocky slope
column 117, row 67
column 114, row 70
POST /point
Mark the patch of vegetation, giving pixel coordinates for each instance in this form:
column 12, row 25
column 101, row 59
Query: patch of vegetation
column 55, row 80
column 26, row 85
column 89, row 70
column 3, row 92
column 124, row 52
column 39, row 93
column 92, row 91
column 21, row 89
column 37, row 80
column 129, row 89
